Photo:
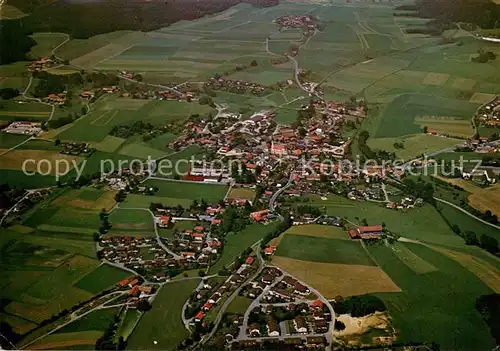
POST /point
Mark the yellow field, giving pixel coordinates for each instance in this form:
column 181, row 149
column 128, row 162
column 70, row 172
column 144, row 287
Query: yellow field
column 446, row 125
column 485, row 271
column 61, row 341
column 242, row 193
column 436, row 78
column 10, row 12
column 463, row 83
column 14, row 159
column 481, row 98
column 482, row 199
column 338, row 279
column 106, row 201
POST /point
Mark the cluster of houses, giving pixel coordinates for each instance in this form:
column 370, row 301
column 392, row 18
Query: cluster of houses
column 235, row 86
column 24, row 127
column 405, row 203
column 123, row 177
column 140, row 253
column 295, row 21
column 287, row 343
column 77, row 149
column 489, row 113
column 288, row 289
column 41, row 64
column 480, row 174
column 56, row 99
column 241, row 275
column 137, row 291
column 310, row 319
column 194, row 245
column 481, row 145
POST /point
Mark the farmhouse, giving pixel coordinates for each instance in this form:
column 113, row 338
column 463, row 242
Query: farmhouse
column 367, row 232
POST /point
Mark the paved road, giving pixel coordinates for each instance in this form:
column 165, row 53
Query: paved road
column 255, row 302
column 273, row 198
column 218, row 319
column 329, row 334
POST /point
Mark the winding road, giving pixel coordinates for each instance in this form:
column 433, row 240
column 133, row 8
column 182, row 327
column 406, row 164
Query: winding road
column 158, row 237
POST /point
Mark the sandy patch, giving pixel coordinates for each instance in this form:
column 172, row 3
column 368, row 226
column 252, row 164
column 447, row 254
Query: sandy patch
column 360, row 325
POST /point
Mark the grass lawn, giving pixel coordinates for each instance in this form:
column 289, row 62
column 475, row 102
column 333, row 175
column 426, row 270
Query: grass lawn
column 163, row 322
column 440, row 303
column 101, row 278
column 321, row 231
column 97, row 320
column 235, row 243
column 180, row 226
column 239, row 305
column 143, row 201
column 242, row 193
column 123, row 219
column 209, row 192
column 308, row 248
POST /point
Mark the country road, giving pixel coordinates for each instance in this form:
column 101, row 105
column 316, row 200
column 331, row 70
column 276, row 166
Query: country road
column 467, row 213
column 152, row 85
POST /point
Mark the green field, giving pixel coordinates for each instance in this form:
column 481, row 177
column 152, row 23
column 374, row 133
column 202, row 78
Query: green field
column 101, row 278
column 209, row 192
column 308, row 248
column 163, row 323
column 413, row 224
column 239, row 305
column 39, row 272
column 235, row 243
column 111, row 110
column 465, row 222
column 143, row 201
column 97, row 320
column 440, row 305
column 414, row 144
column 123, row 219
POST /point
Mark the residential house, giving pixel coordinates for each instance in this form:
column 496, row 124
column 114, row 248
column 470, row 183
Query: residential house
column 273, row 328
column 300, row 324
